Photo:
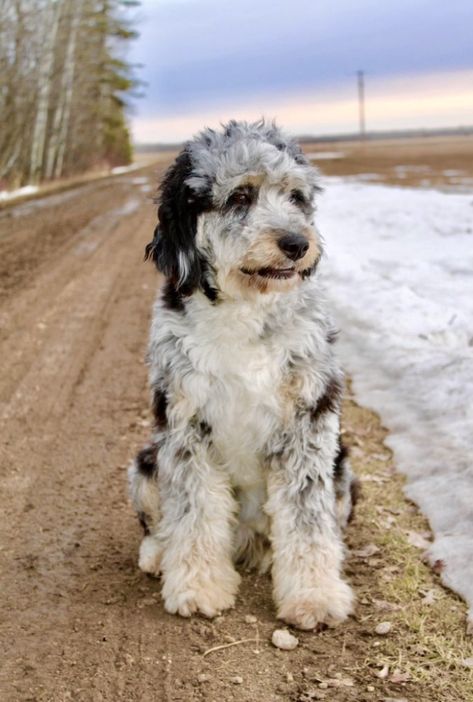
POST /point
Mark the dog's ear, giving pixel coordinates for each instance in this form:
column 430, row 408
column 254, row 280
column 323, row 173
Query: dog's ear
column 173, row 248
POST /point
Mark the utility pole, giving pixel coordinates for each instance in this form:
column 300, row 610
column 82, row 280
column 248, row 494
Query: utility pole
column 361, row 102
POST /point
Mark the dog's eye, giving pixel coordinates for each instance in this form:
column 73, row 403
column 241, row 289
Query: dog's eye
column 298, row 198
column 241, row 198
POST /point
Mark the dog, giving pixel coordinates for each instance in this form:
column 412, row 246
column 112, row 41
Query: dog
column 245, row 465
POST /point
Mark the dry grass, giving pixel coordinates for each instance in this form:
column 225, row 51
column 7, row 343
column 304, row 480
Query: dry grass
column 427, row 647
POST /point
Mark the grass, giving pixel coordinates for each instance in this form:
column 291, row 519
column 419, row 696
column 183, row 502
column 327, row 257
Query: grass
column 427, row 645
column 443, row 162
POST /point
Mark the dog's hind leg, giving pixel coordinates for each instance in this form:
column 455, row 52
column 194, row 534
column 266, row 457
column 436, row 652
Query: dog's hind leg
column 142, row 476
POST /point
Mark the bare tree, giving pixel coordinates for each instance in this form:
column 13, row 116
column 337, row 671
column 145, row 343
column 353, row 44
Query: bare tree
column 62, row 113
column 45, row 79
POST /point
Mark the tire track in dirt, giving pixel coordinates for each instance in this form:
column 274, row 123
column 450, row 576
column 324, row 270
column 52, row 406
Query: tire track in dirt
column 62, row 484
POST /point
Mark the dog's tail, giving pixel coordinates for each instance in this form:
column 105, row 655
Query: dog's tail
column 347, row 486
column 144, row 493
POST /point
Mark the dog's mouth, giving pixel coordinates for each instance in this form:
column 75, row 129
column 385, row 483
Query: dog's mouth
column 277, row 273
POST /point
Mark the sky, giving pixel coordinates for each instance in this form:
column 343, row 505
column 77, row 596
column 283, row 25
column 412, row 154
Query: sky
column 206, row 61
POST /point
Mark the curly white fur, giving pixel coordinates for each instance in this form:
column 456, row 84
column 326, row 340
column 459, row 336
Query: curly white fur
column 245, row 462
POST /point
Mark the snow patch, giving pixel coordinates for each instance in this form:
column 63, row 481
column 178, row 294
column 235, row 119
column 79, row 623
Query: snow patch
column 325, row 155
column 19, row 192
column 124, row 169
column 400, row 280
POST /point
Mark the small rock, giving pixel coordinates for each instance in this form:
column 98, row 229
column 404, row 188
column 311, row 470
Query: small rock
column 399, row 677
column 467, row 662
column 250, row 619
column 383, row 628
column 370, row 688
column 281, row 638
column 323, row 685
column 203, row 677
column 418, row 539
column 383, row 673
column 394, row 699
column 367, row 551
column 290, row 677
column 236, row 680
column 429, row 598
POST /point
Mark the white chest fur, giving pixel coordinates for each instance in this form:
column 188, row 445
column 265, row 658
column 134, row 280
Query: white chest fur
column 231, row 372
column 244, row 371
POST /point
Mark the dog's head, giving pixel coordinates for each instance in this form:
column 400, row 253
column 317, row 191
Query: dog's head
column 236, row 214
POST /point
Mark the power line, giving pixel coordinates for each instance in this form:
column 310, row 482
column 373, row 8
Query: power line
column 361, row 102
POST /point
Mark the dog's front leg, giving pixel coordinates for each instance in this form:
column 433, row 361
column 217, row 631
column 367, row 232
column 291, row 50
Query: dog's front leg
column 307, row 544
column 196, row 530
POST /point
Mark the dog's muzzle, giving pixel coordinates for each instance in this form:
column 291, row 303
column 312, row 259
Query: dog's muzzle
column 294, row 246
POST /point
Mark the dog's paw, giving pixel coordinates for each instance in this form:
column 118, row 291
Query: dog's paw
column 208, row 596
column 329, row 604
column 149, row 559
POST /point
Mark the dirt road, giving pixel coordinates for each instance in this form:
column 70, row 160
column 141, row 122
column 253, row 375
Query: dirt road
column 78, row 620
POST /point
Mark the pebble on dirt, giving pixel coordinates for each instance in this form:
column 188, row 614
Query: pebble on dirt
column 281, row 638
column 383, row 673
column 383, row 628
column 236, row 680
column 250, row 619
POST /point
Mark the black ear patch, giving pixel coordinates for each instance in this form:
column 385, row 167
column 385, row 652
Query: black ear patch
column 173, row 248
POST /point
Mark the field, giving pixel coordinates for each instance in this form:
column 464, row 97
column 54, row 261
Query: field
column 79, row 621
column 445, row 162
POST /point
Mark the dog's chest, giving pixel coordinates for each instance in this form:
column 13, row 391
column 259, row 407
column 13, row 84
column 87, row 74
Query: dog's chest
column 243, row 404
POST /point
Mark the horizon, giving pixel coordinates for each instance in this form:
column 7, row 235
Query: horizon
column 373, row 135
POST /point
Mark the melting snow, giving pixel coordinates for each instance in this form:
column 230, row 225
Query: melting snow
column 19, row 192
column 400, row 282
column 118, row 170
column 325, row 155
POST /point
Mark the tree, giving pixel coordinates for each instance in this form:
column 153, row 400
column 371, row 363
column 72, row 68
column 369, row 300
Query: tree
column 45, row 79
column 63, row 87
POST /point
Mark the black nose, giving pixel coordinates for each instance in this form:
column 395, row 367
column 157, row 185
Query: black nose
column 293, row 245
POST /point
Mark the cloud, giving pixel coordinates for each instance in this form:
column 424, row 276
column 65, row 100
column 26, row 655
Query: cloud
column 200, row 54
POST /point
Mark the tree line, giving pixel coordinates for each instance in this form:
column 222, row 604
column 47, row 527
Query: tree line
column 63, row 85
